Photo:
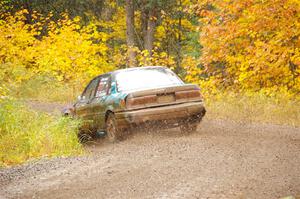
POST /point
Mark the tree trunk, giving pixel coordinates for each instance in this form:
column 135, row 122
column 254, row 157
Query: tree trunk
column 27, row 6
column 179, row 48
column 144, row 23
column 97, row 7
column 130, row 33
column 149, row 37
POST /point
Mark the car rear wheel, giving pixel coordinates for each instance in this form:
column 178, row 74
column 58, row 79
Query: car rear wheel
column 112, row 130
column 188, row 127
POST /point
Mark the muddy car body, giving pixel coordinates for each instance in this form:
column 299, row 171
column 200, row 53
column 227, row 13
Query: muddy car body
column 122, row 99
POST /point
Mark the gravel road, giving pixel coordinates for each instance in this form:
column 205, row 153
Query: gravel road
column 222, row 160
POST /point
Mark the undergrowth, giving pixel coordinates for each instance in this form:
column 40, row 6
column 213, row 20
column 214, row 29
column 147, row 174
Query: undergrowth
column 26, row 134
column 46, row 89
column 254, row 107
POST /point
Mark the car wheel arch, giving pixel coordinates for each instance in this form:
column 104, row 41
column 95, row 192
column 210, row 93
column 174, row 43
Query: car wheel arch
column 107, row 113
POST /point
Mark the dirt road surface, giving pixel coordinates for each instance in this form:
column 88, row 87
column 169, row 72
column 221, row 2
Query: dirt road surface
column 222, row 160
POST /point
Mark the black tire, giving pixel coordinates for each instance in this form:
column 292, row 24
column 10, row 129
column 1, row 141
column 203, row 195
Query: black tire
column 188, row 127
column 111, row 128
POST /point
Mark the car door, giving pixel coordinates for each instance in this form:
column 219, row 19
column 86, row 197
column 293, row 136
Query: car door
column 98, row 102
column 83, row 107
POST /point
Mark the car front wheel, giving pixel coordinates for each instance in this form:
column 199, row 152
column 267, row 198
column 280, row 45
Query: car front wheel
column 112, row 130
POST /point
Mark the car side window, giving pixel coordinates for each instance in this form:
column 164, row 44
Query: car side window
column 89, row 92
column 103, row 86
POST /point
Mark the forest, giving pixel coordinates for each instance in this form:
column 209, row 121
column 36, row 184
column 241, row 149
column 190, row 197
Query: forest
column 244, row 54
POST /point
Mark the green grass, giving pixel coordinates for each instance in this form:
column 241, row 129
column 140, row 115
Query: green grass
column 46, row 89
column 26, row 134
column 256, row 107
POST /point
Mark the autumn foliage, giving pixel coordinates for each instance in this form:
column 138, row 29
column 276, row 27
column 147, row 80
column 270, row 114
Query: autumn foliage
column 68, row 51
column 223, row 45
column 244, row 54
column 65, row 50
column 250, row 45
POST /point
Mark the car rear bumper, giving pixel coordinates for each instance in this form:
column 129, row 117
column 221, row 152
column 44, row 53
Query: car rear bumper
column 185, row 111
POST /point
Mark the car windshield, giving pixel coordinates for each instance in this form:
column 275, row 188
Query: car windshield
column 140, row 79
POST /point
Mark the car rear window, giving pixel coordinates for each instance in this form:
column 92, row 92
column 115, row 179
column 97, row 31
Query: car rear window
column 147, row 78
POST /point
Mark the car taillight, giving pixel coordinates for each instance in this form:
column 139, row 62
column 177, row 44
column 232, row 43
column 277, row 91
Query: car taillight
column 188, row 94
column 122, row 103
column 136, row 101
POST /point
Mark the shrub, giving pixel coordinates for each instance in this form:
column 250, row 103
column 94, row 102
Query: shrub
column 26, row 134
column 46, row 88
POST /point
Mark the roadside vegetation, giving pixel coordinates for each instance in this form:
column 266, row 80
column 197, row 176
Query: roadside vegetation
column 254, row 108
column 248, row 66
column 26, row 134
